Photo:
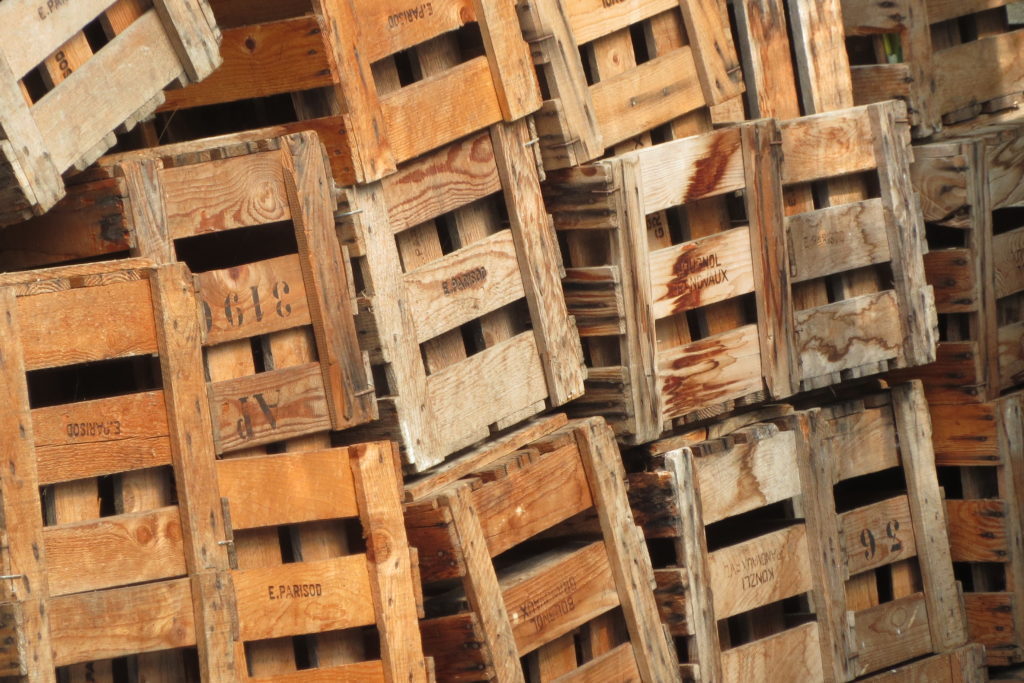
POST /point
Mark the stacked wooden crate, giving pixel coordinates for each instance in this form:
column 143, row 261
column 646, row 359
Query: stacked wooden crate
column 511, row 340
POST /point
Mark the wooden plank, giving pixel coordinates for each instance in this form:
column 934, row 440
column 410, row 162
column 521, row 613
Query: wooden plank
column 508, row 55
column 556, row 337
column 961, row 80
column 441, row 182
column 261, row 60
column 1011, row 355
column 325, row 278
column 594, row 297
column 464, row 285
column 878, row 534
column 748, row 476
column 760, row 571
column 482, row 588
column 952, row 275
column 68, row 462
column 682, row 171
column 25, row 552
column 837, row 239
column 990, row 619
column 713, row 370
column 692, row 552
column 1008, row 265
column 618, row 664
column 707, row 27
column 631, row 565
column 945, row 615
column 47, row 321
column 147, row 545
column 269, row 406
column 392, row 575
column 792, row 655
column 965, row 433
column 395, row 26
column 123, row 621
column 762, row 165
column 592, row 19
column 111, row 70
column 181, row 367
column 303, row 597
column 252, row 299
column 319, row 487
column 127, row 416
column 848, row 333
column 469, row 103
column 701, row 272
column 356, row 672
column 537, row 497
column 556, row 592
column 224, row 194
column 826, row 145
column 193, row 32
column 891, row 633
column 646, row 96
column 977, row 530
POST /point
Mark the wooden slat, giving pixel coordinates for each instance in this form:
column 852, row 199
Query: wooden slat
column 848, row 333
column 552, row 594
column 760, row 571
column 965, row 434
column 1008, row 266
column 467, row 99
column 792, row 655
column 269, row 406
column 952, row 274
column 465, row 171
column 464, row 285
column 701, row 272
column 748, row 476
column 878, row 534
column 510, row 374
column 275, row 490
column 646, row 96
column 978, row 71
column 836, row 239
column 678, row 172
column 591, row 19
column 392, row 574
column 303, row 597
column 122, row 621
column 537, row 497
column 147, row 546
column 977, row 530
column 262, row 60
column 1011, row 355
column 540, row 268
column 509, row 57
column 618, row 664
column 396, row 26
column 224, row 194
column 891, row 633
column 49, row 320
column 253, row 299
column 826, row 145
column 101, row 420
column 710, row 371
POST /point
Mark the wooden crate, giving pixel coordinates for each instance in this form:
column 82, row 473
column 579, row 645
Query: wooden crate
column 322, row 600
column 728, row 513
column 715, row 314
column 615, row 71
column 897, row 597
column 461, row 308
column 361, row 74
column 107, row 62
column 255, row 221
column 969, row 187
column 979, row 450
column 948, row 60
column 963, row 665
column 102, row 402
column 504, row 603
